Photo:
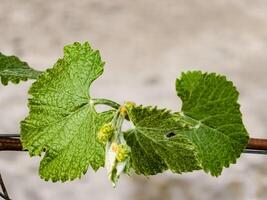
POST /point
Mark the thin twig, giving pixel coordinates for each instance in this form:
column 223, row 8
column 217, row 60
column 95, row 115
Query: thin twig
column 2, row 195
column 10, row 144
column 255, row 145
column 5, row 196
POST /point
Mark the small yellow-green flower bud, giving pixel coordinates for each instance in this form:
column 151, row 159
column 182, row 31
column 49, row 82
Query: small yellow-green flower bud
column 122, row 152
column 105, row 133
column 123, row 111
column 129, row 104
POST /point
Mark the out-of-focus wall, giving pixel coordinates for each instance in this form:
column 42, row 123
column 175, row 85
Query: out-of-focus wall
column 146, row 44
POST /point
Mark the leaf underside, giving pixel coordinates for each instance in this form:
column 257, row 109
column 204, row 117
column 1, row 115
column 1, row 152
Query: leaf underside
column 156, row 144
column 63, row 121
column 14, row 70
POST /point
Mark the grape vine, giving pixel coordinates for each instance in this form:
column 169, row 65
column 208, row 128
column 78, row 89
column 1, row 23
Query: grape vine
column 64, row 127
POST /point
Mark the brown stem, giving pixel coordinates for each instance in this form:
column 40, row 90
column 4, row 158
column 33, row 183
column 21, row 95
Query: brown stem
column 257, row 144
column 10, row 144
column 13, row 144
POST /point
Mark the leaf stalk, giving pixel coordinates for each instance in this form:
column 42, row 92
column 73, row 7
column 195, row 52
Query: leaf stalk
column 101, row 101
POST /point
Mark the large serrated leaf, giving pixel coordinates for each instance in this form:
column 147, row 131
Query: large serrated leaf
column 14, row 70
column 63, row 121
column 210, row 106
column 156, row 144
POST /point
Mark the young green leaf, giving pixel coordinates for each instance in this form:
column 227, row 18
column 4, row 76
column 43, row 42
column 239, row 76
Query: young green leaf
column 210, row 105
column 156, row 144
column 63, row 121
column 14, row 70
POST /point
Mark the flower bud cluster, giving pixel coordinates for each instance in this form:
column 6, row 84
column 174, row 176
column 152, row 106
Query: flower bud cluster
column 122, row 151
column 105, row 133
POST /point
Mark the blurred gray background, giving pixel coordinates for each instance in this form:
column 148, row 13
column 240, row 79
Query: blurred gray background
column 146, row 44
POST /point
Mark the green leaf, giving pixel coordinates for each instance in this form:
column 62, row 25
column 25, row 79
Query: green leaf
column 210, row 106
column 156, row 144
column 63, row 121
column 14, row 70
